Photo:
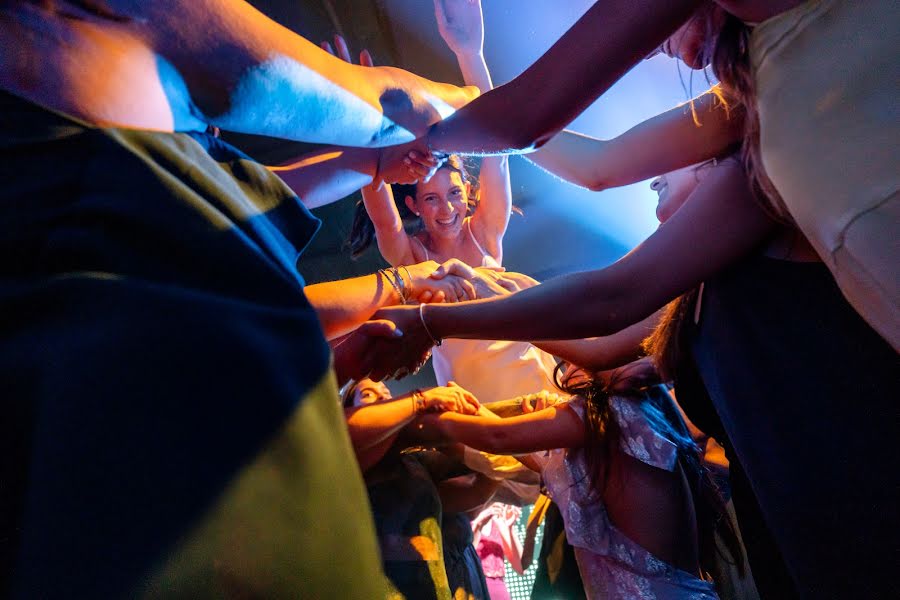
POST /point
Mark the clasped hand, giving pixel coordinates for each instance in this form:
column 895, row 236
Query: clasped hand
column 395, row 342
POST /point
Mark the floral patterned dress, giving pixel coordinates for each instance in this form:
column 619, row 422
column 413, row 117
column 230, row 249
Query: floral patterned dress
column 612, row 565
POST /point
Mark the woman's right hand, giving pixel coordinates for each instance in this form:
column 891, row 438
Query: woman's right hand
column 451, row 398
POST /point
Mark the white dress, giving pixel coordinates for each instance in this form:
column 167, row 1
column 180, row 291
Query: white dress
column 613, row 566
column 495, row 370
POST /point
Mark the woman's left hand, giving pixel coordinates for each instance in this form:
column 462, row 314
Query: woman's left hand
column 461, row 25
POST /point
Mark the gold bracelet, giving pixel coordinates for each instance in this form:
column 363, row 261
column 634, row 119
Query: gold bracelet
column 435, row 342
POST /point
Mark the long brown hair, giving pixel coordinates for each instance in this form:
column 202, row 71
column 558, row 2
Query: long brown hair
column 667, row 346
column 362, row 232
column 726, row 48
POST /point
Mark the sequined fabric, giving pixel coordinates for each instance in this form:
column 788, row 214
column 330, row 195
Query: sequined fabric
column 612, row 565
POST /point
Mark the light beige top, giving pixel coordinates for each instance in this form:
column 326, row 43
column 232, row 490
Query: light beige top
column 828, row 81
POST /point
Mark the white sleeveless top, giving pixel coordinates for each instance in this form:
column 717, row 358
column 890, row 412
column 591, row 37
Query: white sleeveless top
column 492, row 370
column 495, row 370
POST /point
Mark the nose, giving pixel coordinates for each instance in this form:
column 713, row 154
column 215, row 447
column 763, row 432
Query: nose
column 657, row 184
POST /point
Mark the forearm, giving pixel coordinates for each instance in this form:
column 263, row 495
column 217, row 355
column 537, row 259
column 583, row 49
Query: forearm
column 607, row 41
column 682, row 136
column 327, row 175
column 547, row 311
column 602, row 353
column 474, row 70
column 374, row 423
column 549, row 429
column 246, row 73
column 344, row 305
column 390, row 235
column 512, row 547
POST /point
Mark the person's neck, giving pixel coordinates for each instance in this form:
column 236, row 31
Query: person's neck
column 755, row 11
column 446, row 248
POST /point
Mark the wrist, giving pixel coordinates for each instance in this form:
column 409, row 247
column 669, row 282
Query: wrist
column 435, row 340
column 418, row 402
column 469, row 53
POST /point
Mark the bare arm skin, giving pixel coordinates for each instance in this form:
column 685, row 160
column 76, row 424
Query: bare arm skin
column 721, row 213
column 676, row 138
column 611, row 37
column 602, row 353
column 555, row 427
column 462, row 26
column 179, row 64
column 344, row 305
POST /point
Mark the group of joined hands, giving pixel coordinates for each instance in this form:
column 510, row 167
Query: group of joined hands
column 395, row 341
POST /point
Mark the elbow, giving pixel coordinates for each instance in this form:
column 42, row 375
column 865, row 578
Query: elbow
column 495, row 441
column 596, row 184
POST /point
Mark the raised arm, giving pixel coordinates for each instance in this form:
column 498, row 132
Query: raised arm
column 168, row 64
column 462, row 26
column 393, row 241
column 512, row 547
column 682, row 136
column 611, row 37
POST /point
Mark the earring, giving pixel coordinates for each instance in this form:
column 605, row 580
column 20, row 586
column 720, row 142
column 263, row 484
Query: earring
column 417, row 214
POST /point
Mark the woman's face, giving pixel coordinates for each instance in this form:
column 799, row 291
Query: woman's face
column 370, row 392
column 688, row 40
column 686, row 43
column 441, row 204
column 673, row 189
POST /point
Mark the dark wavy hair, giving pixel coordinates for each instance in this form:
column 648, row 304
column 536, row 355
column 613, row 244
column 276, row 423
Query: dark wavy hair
column 602, row 435
column 362, row 232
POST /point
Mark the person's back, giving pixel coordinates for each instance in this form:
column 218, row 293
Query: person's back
column 636, row 533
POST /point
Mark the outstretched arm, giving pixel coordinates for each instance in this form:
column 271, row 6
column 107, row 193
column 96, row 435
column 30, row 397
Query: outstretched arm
column 602, row 353
column 555, row 427
column 721, row 213
column 345, row 304
column 462, row 26
column 394, row 243
column 611, row 37
column 168, row 64
column 682, row 136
